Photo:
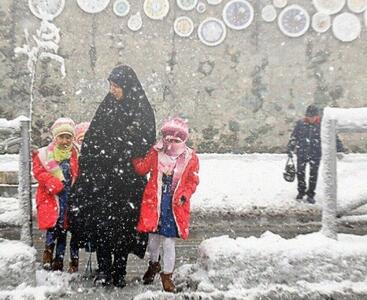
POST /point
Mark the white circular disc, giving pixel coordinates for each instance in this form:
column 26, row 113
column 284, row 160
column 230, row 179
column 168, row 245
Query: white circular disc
column 183, row 26
column 214, row 2
column 201, row 8
column 156, row 9
column 321, row 22
column 329, row 7
column 346, row 27
column 187, row 4
column 212, row 32
column 238, row 14
column 121, row 8
column 357, row 6
column 135, row 22
column 46, row 9
column 93, row 6
column 269, row 13
column 280, row 3
column 294, row 20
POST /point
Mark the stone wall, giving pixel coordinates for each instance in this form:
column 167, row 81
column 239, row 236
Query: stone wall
column 241, row 96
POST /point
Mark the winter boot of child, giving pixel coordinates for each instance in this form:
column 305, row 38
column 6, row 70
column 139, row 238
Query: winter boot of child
column 153, row 269
column 73, row 265
column 57, row 265
column 47, row 258
column 167, row 282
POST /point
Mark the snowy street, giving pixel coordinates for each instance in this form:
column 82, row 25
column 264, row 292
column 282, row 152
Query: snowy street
column 257, row 200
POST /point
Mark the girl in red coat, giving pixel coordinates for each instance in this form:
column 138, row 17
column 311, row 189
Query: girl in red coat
column 165, row 208
column 56, row 167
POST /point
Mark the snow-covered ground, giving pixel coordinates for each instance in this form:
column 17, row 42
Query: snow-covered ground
column 240, row 183
column 271, row 267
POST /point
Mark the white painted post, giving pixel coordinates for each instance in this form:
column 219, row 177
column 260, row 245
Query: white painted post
column 329, row 212
column 24, row 187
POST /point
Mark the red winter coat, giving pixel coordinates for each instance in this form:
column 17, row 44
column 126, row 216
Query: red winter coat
column 48, row 187
column 151, row 203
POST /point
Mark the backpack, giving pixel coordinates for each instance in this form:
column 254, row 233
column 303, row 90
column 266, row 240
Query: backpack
column 289, row 173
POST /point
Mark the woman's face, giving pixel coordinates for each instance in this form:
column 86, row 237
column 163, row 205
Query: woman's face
column 116, row 91
column 64, row 141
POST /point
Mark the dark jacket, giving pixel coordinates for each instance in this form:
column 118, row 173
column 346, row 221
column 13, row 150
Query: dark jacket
column 305, row 140
column 108, row 192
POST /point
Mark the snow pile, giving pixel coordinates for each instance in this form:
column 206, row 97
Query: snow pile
column 308, row 266
column 10, row 212
column 17, row 263
column 48, row 284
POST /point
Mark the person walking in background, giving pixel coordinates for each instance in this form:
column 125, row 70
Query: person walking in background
column 107, row 196
column 305, row 141
column 165, row 209
column 56, row 168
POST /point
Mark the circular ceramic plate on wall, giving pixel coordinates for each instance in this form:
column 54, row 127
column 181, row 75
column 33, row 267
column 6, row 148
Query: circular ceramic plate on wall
column 321, row 22
column 187, row 4
column 135, row 22
column 357, row 6
column 121, row 8
column 214, row 2
column 201, row 8
column 156, row 9
column 93, row 6
column 48, row 9
column 329, row 7
column 238, row 14
column 269, row 13
column 212, row 32
column 294, row 21
column 183, row 26
column 346, row 27
column 280, row 3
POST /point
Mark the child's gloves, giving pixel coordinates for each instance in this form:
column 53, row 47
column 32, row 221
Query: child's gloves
column 182, row 200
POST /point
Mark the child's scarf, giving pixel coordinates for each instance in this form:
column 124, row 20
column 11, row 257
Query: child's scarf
column 56, row 155
column 170, row 164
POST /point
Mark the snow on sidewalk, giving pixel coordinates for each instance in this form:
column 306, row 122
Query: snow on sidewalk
column 307, row 266
column 241, row 183
column 244, row 183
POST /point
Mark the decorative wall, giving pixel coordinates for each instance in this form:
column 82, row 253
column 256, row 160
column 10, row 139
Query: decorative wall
column 241, row 71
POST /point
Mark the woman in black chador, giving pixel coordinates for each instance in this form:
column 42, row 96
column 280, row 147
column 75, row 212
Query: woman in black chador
column 105, row 206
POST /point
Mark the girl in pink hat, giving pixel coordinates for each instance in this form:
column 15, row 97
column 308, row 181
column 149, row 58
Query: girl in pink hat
column 165, row 208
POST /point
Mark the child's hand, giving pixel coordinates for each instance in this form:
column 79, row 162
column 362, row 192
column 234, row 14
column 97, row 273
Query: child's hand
column 182, row 200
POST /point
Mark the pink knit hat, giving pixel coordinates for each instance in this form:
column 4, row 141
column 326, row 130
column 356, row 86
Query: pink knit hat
column 175, row 127
column 63, row 126
column 80, row 129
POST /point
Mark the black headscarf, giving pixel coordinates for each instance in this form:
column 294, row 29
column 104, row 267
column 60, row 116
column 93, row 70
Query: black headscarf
column 108, row 192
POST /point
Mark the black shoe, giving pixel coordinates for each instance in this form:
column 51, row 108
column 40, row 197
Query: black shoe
column 119, row 282
column 102, row 279
column 310, row 200
column 300, row 196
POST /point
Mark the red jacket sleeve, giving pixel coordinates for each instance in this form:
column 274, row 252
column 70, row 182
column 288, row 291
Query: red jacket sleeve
column 143, row 165
column 52, row 184
column 192, row 180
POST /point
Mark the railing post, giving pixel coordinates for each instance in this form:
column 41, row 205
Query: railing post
column 329, row 212
column 24, row 188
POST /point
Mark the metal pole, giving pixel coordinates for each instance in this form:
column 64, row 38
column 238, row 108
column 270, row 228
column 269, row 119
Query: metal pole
column 24, row 188
column 329, row 211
